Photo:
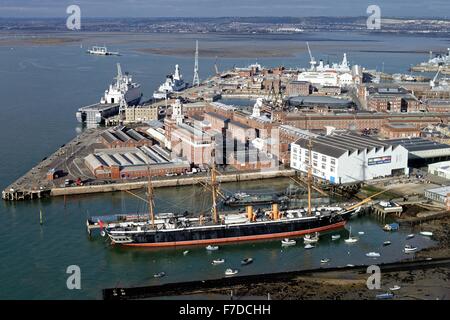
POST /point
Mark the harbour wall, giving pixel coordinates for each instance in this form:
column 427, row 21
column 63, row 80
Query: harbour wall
column 171, row 182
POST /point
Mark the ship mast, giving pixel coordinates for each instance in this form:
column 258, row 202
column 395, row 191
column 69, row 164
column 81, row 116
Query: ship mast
column 309, row 174
column 214, row 185
column 150, row 198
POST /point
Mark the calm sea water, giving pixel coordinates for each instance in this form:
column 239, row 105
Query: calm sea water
column 42, row 86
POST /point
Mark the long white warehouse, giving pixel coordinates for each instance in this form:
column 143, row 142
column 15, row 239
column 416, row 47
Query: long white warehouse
column 348, row 158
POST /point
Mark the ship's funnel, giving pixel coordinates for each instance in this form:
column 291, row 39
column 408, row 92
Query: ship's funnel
column 249, row 213
column 275, row 211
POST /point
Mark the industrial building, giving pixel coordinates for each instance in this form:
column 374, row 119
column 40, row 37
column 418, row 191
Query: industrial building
column 349, row 158
column 440, row 169
column 131, row 163
column 123, row 137
column 422, row 151
column 97, row 113
column 440, row 194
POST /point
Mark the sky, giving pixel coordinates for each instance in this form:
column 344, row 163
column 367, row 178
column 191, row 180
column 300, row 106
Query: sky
column 221, row 8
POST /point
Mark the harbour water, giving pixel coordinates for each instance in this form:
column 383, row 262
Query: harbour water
column 41, row 88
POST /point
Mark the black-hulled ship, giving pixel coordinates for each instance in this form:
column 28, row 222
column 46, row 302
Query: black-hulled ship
column 165, row 231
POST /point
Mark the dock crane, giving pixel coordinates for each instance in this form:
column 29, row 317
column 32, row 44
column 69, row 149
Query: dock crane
column 433, row 82
column 313, row 61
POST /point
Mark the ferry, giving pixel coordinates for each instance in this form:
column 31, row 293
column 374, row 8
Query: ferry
column 217, row 229
column 101, row 51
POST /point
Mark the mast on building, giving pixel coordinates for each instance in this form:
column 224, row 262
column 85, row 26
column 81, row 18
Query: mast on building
column 196, row 80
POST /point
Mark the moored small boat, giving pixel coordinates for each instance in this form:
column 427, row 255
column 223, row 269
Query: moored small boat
column 361, row 232
column 387, row 243
column 185, row 252
column 217, row 261
column 311, row 239
column 373, row 254
column 426, row 233
column 159, row 274
column 410, row 236
column 386, row 295
column 409, row 249
column 246, row 261
column 395, row 288
column 391, row 227
column 309, row 246
column 288, row 242
column 326, row 260
column 212, row 248
column 231, row 272
column 335, row 236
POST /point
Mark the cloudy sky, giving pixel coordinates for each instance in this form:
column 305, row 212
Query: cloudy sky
column 214, row 8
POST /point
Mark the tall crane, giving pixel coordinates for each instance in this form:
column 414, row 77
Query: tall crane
column 196, row 80
column 312, row 62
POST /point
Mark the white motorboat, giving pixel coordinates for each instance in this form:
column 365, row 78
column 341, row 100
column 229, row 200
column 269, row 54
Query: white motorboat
column 288, row 242
column 159, row 275
column 212, row 248
column 231, row 272
column 426, row 233
column 311, row 239
column 335, row 236
column 373, row 254
column 410, row 236
column 361, row 232
column 246, row 261
column 185, row 252
column 309, row 246
column 395, row 288
column 409, row 249
column 387, row 243
column 326, row 260
column 217, row 261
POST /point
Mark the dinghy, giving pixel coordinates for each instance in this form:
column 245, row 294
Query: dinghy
column 335, row 236
column 217, row 261
column 395, row 288
column 231, row 272
column 409, row 249
column 246, row 261
column 288, row 242
column 212, row 248
column 309, row 246
column 373, row 254
column 426, row 233
column 159, row 275
column 311, row 239
column 326, row 260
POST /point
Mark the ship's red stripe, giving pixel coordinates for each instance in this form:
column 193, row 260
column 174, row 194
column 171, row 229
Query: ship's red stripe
column 237, row 239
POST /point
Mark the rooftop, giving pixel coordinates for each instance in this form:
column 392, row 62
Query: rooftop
column 337, row 145
column 418, row 144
